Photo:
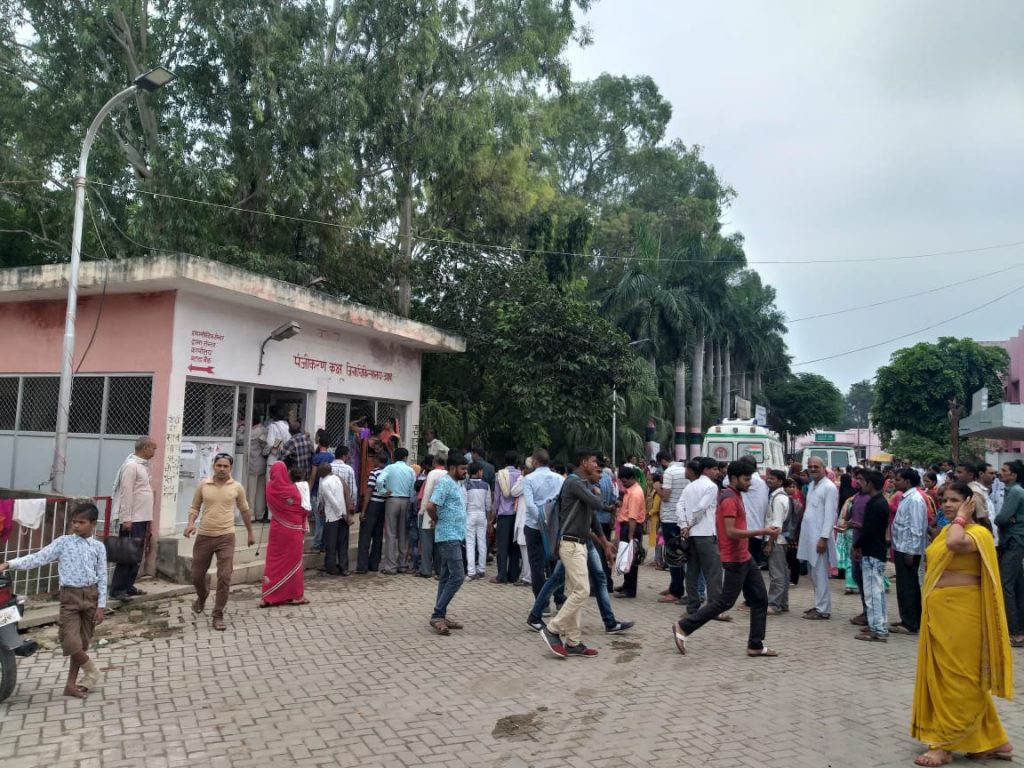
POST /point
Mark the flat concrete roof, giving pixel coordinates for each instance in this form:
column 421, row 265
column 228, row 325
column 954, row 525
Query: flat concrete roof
column 192, row 274
column 1003, row 421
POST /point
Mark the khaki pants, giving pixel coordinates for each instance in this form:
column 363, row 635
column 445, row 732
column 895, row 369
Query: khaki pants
column 202, row 555
column 77, row 619
column 577, row 587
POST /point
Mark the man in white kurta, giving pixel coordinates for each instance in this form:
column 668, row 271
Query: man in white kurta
column 817, row 545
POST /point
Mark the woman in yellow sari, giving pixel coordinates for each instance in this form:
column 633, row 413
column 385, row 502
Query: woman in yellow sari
column 963, row 654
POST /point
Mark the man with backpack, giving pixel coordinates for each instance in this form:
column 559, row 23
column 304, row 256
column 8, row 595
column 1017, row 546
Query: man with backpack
column 780, row 515
column 579, row 500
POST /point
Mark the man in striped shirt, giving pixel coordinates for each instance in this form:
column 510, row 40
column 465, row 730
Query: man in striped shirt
column 371, row 521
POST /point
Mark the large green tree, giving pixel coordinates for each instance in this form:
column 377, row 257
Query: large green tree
column 802, row 401
column 857, row 404
column 913, row 391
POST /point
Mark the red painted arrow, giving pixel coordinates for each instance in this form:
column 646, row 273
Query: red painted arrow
column 201, row 369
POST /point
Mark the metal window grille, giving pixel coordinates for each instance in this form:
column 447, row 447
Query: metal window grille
column 361, row 408
column 209, row 410
column 8, row 402
column 336, row 423
column 24, row 541
column 86, row 416
column 387, row 411
column 39, row 404
column 129, row 403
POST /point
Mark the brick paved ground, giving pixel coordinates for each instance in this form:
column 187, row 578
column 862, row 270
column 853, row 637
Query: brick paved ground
column 357, row 678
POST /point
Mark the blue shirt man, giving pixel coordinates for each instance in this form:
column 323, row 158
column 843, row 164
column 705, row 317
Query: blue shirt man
column 447, row 507
column 539, row 487
column 399, row 478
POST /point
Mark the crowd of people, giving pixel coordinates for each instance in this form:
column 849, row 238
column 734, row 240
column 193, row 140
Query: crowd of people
column 569, row 531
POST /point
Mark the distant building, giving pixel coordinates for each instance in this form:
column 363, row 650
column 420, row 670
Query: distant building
column 1001, row 424
column 864, row 441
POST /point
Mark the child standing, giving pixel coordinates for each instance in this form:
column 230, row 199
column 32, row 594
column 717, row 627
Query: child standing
column 478, row 511
column 82, row 568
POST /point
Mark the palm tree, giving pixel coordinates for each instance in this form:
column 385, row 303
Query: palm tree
column 647, row 303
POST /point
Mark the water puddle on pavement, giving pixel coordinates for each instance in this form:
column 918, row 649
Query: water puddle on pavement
column 512, row 726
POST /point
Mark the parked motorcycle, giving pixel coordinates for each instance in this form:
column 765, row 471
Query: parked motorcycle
column 12, row 608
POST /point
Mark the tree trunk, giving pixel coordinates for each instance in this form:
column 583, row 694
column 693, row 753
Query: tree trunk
column 758, row 384
column 697, row 391
column 679, row 404
column 403, row 258
column 727, row 383
column 709, row 364
column 653, row 365
column 718, row 378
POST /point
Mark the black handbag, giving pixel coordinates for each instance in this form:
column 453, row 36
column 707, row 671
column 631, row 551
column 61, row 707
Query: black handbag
column 124, row 550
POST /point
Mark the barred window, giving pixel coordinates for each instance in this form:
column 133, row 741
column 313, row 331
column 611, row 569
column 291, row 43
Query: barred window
column 335, row 423
column 86, row 405
column 387, row 411
column 129, row 402
column 361, row 408
column 8, row 402
column 39, row 404
column 209, row 410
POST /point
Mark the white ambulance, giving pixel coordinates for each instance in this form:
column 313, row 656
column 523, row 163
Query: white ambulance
column 734, row 438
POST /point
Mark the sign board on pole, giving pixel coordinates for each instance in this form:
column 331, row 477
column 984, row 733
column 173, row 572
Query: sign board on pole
column 760, row 415
column 979, row 400
column 742, row 408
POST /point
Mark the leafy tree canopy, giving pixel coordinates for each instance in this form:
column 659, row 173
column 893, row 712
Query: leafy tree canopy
column 803, row 401
column 913, row 391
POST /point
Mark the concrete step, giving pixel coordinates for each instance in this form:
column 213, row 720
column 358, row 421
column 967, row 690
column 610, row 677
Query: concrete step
column 174, row 557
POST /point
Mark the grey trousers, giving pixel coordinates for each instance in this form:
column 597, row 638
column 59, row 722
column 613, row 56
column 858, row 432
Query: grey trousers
column 704, row 558
column 778, row 573
column 396, row 534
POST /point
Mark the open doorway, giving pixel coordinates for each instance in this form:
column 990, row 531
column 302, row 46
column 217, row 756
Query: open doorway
column 290, row 404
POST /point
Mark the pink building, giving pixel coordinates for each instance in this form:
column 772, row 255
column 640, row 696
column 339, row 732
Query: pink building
column 1002, row 424
column 177, row 347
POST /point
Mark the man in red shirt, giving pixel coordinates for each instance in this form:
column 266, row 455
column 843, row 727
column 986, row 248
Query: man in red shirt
column 740, row 574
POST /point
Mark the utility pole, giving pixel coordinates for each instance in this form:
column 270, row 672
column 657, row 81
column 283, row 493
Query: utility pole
column 955, row 410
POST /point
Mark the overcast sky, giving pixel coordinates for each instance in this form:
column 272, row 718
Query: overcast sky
column 850, row 131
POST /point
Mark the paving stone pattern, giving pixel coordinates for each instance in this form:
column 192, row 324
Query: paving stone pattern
column 357, row 678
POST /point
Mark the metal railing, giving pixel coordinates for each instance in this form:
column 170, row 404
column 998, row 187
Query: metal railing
column 56, row 522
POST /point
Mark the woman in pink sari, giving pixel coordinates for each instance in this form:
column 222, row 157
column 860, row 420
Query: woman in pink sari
column 283, row 582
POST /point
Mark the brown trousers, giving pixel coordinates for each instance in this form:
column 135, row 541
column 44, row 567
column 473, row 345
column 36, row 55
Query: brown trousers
column 77, row 619
column 202, row 555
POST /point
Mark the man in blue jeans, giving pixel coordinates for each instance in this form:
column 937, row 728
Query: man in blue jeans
column 598, row 588
column 447, row 509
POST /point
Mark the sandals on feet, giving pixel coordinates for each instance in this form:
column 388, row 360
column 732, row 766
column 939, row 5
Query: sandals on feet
column 999, row 753
column 300, row 601
column 680, row 639
column 440, row 626
column 765, row 651
column 934, row 757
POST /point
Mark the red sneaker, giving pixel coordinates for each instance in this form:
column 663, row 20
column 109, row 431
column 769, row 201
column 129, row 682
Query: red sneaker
column 580, row 651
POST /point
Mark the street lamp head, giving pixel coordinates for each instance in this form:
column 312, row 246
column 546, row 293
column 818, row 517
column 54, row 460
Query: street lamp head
column 286, row 331
column 155, row 79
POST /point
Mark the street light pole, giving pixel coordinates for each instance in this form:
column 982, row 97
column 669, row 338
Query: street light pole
column 149, row 81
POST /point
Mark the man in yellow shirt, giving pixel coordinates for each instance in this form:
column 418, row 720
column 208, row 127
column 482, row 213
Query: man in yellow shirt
column 216, row 498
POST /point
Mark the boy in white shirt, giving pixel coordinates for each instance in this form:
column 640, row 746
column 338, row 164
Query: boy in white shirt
column 478, row 511
column 336, row 500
